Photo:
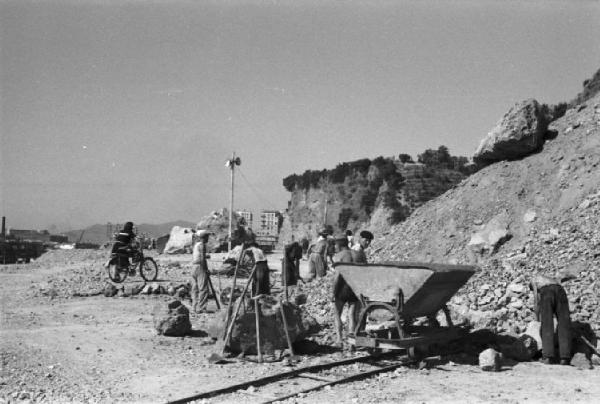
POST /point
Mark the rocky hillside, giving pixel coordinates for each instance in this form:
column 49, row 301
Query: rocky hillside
column 383, row 190
column 536, row 214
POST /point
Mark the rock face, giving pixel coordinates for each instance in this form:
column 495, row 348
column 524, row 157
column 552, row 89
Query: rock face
column 172, row 320
column 363, row 194
column 490, row 360
column 519, row 133
column 243, row 337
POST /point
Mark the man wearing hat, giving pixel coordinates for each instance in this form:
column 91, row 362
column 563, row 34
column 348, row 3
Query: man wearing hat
column 200, row 280
column 358, row 250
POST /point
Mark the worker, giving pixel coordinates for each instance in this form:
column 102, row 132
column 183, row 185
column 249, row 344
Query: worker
column 122, row 246
column 550, row 300
column 342, row 293
column 261, row 284
column 290, row 265
column 317, row 260
column 343, row 253
column 200, row 280
column 358, row 250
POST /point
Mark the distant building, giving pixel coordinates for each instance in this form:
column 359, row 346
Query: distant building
column 270, row 223
column 32, row 235
column 247, row 216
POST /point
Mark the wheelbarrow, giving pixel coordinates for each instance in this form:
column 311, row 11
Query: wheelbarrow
column 406, row 291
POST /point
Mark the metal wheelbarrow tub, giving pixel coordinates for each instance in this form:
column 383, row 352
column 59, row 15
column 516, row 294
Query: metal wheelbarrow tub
column 426, row 287
column 407, row 290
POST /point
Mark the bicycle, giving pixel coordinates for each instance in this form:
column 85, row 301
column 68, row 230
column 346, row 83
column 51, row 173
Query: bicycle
column 146, row 265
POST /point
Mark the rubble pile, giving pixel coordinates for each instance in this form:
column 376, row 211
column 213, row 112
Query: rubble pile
column 82, row 273
column 272, row 334
column 318, row 304
column 515, row 219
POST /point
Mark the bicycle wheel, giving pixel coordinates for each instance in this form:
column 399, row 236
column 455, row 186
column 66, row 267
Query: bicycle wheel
column 148, row 269
column 116, row 275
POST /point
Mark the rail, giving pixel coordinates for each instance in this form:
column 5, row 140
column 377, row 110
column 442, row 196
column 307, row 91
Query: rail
column 309, row 372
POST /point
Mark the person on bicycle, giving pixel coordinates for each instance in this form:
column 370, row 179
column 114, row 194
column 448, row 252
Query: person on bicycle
column 122, row 245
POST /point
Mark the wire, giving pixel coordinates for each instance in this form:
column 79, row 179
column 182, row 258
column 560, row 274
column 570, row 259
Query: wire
column 255, row 191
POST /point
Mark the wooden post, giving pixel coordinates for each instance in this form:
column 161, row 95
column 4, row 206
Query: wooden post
column 231, row 167
column 285, row 272
column 229, row 324
column 257, row 315
column 285, row 328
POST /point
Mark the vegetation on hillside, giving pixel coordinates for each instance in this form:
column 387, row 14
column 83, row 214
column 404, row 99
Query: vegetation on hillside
column 387, row 168
column 362, row 186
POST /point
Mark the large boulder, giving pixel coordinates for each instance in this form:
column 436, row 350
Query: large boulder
column 172, row 320
column 491, row 236
column 272, row 334
column 217, row 223
column 519, row 133
column 180, row 240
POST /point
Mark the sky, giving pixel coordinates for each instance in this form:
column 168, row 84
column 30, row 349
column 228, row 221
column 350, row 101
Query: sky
column 128, row 110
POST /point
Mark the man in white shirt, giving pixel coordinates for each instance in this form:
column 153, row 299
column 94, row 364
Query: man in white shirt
column 200, row 280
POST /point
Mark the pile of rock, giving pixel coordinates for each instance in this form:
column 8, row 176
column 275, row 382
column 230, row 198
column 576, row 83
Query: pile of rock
column 318, row 303
column 180, row 291
column 172, row 319
column 243, row 336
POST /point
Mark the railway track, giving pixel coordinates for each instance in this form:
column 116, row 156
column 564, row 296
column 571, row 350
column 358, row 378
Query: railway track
column 303, row 380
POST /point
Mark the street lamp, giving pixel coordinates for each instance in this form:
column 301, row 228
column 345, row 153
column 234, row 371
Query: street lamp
column 231, row 163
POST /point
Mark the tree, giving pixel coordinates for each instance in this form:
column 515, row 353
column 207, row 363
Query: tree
column 405, row 158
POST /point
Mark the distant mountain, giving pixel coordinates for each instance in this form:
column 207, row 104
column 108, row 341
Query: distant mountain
column 97, row 233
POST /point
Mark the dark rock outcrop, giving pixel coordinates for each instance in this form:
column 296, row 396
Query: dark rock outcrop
column 172, row 320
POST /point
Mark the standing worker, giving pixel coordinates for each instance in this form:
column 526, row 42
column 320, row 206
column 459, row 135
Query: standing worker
column 358, row 250
column 317, row 260
column 200, row 280
column 551, row 300
column 290, row 266
column 342, row 293
column 261, row 284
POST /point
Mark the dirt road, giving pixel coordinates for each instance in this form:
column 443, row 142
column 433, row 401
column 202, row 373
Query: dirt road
column 59, row 348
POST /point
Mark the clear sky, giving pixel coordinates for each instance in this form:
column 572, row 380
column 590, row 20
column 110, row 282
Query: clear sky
column 127, row 110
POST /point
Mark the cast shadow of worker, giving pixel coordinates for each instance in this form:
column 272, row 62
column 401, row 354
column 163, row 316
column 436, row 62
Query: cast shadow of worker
column 197, row 334
column 466, row 350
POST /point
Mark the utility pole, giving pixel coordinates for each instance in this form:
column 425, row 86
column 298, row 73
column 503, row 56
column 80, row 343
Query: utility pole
column 231, row 163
